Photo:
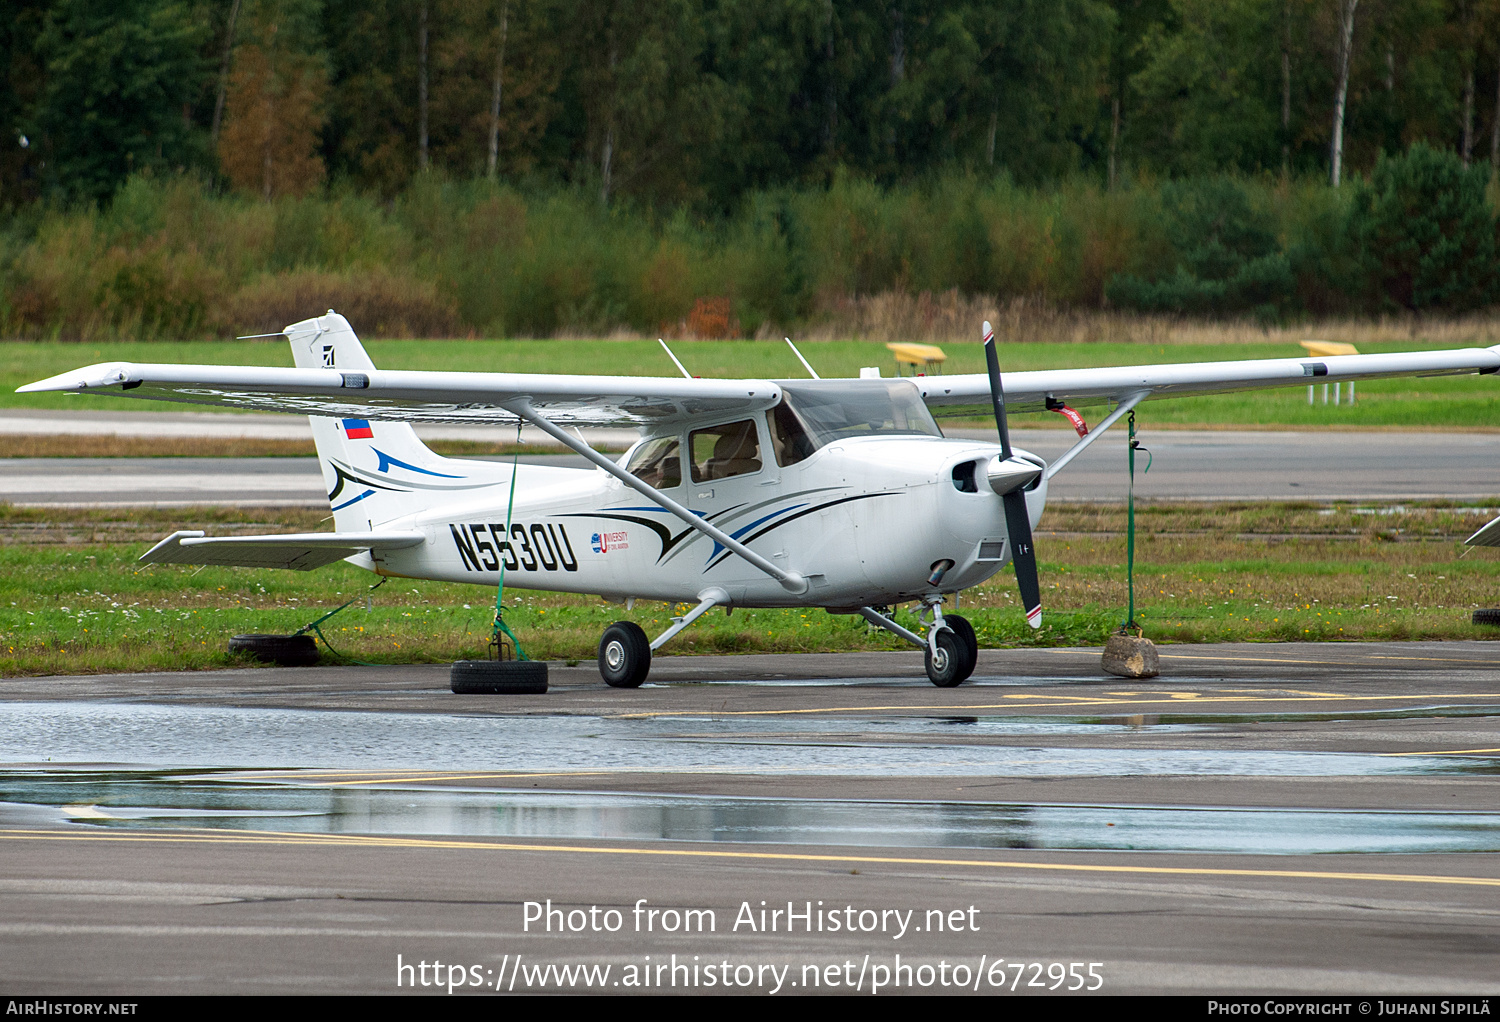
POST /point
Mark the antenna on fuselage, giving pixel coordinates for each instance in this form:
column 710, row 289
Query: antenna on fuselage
column 805, row 363
column 673, row 358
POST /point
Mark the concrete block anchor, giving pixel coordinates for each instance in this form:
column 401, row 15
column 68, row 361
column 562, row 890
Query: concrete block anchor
column 1130, row 656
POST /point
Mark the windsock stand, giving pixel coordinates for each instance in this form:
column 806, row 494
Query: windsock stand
column 1128, row 653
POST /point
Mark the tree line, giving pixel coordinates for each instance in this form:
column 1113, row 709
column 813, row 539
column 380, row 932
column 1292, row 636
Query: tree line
column 697, row 103
column 171, row 257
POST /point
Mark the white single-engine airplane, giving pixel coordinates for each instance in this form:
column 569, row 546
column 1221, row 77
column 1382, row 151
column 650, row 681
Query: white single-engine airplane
column 840, row 494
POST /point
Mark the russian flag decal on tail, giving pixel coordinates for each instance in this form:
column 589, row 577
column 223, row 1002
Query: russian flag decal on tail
column 358, row 429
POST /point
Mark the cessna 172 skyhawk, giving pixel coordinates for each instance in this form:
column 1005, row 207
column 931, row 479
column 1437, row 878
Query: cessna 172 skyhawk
column 840, row 494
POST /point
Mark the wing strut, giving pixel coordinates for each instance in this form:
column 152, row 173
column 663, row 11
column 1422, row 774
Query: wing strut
column 790, row 580
column 1126, row 404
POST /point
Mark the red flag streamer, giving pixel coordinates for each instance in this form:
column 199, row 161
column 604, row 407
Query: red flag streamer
column 1081, row 427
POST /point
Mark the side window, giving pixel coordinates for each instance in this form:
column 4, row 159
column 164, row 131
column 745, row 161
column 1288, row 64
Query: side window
column 788, row 439
column 658, row 463
column 722, row 451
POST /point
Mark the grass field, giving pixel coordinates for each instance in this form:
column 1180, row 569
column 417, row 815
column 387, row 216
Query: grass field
column 1465, row 402
column 73, row 600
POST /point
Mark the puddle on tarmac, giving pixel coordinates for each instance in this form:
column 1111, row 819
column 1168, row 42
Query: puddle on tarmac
column 211, row 737
column 164, row 801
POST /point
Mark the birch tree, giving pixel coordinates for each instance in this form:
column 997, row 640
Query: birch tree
column 1345, row 31
column 494, row 154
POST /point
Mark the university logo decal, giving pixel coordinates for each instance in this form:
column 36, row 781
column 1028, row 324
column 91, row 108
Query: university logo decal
column 604, row 542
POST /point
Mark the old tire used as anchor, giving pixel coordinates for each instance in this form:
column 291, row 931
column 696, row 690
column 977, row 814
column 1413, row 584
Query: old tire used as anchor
column 282, row 650
column 499, row 677
column 624, row 655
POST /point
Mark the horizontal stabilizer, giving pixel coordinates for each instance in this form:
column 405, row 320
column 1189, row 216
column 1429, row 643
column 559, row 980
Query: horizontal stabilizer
column 298, row 551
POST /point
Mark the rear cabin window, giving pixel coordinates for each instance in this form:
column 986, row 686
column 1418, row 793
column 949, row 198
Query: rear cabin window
column 720, row 452
column 658, row 463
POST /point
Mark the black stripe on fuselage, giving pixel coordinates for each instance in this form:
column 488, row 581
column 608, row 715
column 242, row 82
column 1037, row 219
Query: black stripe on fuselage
column 792, row 518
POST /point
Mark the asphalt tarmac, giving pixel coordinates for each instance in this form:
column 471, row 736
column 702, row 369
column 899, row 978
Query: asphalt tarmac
column 1263, row 819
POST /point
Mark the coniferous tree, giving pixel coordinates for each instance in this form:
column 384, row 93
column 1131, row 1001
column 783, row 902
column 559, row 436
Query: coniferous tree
column 119, row 83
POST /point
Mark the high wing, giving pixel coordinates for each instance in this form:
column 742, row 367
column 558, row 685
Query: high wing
column 298, row 551
column 420, row 396
column 1029, row 391
column 476, row 397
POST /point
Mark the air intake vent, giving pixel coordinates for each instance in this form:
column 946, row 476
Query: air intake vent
column 992, row 550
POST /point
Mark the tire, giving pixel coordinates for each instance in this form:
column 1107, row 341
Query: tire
column 969, row 641
column 282, row 650
column 624, row 655
column 1487, row 616
column 946, row 669
column 497, row 677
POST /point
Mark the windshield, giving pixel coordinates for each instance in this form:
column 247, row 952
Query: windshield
column 813, row 414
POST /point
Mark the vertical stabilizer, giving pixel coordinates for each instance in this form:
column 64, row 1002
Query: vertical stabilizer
column 375, row 471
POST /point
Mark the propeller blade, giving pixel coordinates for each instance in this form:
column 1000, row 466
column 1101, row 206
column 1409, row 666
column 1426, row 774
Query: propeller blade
column 1023, row 555
column 997, row 392
column 1017, row 517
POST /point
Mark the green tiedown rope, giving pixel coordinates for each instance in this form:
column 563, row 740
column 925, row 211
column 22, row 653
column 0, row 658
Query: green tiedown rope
column 501, row 628
column 1130, row 449
column 313, row 627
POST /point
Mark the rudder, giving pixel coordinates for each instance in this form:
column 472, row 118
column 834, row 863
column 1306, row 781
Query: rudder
column 375, row 471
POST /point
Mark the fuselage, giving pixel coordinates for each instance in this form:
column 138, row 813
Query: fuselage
column 867, row 520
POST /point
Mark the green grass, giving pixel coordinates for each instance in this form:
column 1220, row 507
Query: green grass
column 73, row 599
column 1465, row 402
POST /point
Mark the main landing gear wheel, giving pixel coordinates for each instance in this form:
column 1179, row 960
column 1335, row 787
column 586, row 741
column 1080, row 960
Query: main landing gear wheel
column 282, row 650
column 965, row 633
column 1487, row 616
column 946, row 662
column 624, row 655
column 497, row 677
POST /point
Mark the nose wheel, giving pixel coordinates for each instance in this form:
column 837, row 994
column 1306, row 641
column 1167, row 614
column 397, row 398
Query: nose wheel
column 950, row 647
column 952, row 653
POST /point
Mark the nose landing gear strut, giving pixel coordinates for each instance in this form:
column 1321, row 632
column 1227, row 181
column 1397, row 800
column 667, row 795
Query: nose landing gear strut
column 951, row 649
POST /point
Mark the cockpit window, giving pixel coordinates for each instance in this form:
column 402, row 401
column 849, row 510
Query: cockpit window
column 788, row 438
column 814, row 414
column 657, row 463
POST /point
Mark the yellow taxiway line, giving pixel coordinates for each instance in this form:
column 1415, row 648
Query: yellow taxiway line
column 394, row 776
column 434, row 844
column 1285, row 660
column 1064, row 702
column 1449, row 752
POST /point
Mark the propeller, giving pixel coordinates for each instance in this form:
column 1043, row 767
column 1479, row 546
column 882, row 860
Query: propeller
column 1008, row 477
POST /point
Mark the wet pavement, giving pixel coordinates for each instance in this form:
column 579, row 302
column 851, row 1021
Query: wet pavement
column 1264, row 818
column 175, row 736
column 305, row 804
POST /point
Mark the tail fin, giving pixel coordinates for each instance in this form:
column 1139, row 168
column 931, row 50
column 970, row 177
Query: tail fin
column 375, row 471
